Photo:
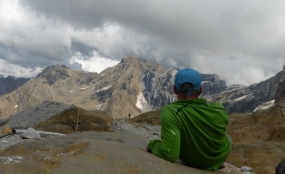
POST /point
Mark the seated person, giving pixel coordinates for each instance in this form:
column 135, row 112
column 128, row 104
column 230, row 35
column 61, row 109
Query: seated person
column 191, row 128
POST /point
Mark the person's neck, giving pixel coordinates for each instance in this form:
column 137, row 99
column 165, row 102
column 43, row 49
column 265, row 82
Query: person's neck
column 187, row 97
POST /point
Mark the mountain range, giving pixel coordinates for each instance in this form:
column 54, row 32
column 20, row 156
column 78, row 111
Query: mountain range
column 131, row 87
column 10, row 83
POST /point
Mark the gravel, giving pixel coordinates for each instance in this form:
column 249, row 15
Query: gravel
column 145, row 129
column 10, row 140
column 11, row 159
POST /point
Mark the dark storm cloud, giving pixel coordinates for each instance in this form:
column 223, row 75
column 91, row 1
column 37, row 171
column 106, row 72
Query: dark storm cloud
column 82, row 48
column 33, row 55
column 210, row 25
column 219, row 37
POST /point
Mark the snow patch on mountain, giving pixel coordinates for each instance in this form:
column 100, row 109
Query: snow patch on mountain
column 142, row 103
column 241, row 98
column 235, row 86
column 265, row 105
column 102, row 89
column 99, row 106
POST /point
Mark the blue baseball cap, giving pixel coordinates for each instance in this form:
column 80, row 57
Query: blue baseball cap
column 187, row 75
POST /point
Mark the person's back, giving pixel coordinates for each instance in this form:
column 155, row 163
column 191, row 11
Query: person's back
column 192, row 129
column 202, row 128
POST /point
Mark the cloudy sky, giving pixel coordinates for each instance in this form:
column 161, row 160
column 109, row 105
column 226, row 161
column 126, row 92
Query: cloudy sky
column 242, row 41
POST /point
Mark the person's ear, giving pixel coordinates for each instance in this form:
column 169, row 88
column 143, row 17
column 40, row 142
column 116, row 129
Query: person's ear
column 175, row 89
column 200, row 90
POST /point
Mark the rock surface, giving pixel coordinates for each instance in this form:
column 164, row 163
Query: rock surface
column 31, row 134
column 92, row 152
column 280, row 92
column 11, row 140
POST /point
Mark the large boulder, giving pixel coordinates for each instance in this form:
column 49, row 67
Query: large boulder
column 6, row 130
column 92, row 152
column 151, row 117
column 66, row 121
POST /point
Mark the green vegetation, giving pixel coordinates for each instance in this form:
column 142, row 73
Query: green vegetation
column 0, row 113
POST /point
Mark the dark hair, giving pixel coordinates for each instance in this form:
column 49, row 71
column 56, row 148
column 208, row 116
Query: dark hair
column 186, row 87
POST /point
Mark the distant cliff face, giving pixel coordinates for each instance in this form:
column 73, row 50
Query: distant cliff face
column 212, row 84
column 280, row 93
column 158, row 87
column 242, row 99
column 10, row 83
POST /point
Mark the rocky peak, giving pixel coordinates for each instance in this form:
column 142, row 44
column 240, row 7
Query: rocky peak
column 280, row 92
column 11, row 77
column 159, row 69
column 132, row 60
column 54, row 73
column 136, row 62
column 129, row 65
column 212, row 84
column 210, row 77
column 53, row 69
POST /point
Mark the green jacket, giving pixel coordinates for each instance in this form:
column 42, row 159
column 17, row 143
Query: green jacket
column 195, row 132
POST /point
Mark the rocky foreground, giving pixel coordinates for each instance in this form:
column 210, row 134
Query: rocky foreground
column 103, row 145
column 91, row 152
column 118, row 148
column 121, row 151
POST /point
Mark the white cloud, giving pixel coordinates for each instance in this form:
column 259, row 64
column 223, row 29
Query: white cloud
column 95, row 63
column 7, row 68
column 31, row 38
column 235, row 70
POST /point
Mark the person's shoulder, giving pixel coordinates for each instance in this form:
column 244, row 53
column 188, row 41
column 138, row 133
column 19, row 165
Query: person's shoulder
column 216, row 105
column 167, row 107
column 170, row 107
